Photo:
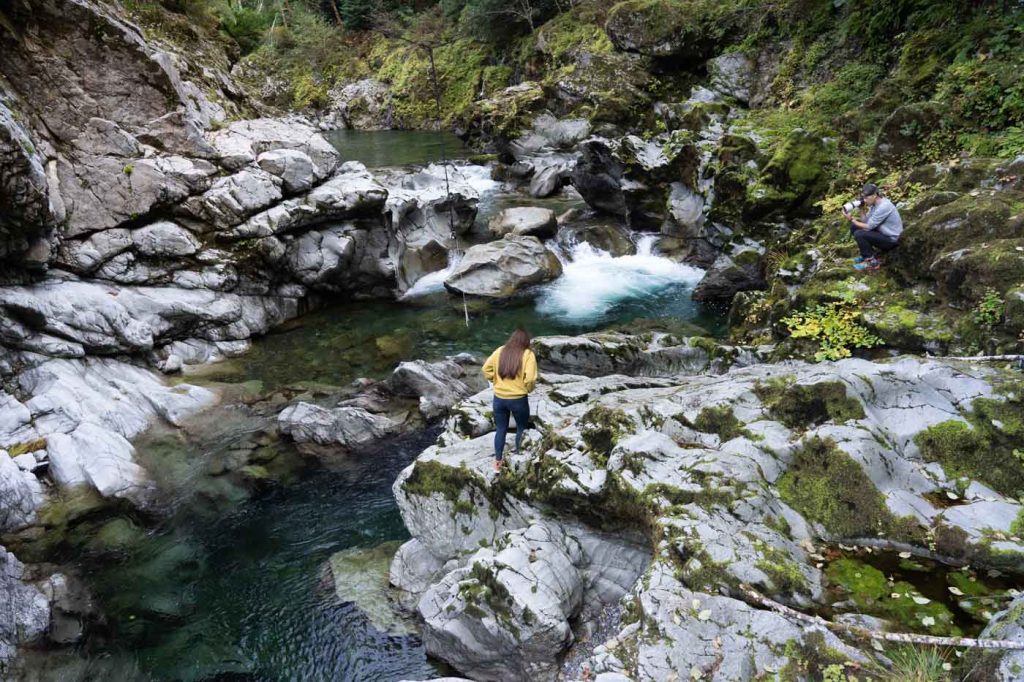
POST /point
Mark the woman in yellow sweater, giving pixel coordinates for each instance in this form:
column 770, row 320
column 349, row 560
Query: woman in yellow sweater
column 512, row 369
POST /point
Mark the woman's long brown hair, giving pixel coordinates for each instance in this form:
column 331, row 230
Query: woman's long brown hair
column 510, row 361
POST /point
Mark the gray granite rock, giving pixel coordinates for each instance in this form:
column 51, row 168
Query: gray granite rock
column 349, row 427
column 524, row 220
column 502, row 268
column 24, row 610
column 21, row 495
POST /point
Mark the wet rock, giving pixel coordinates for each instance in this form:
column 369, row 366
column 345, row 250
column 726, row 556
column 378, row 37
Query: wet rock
column 413, row 570
column 502, row 268
column 524, row 220
column 728, row 275
column 631, row 177
column 437, row 385
column 85, row 412
column 361, row 577
column 100, row 459
column 24, row 610
column 549, row 180
column 603, row 234
column 349, row 427
column 548, row 133
column 732, row 75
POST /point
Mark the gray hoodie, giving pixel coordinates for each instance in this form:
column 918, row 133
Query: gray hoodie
column 884, row 217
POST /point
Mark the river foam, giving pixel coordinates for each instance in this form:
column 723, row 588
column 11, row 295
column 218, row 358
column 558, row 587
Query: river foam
column 594, row 282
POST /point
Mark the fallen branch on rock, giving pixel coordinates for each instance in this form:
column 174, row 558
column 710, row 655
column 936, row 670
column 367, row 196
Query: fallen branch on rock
column 754, row 597
column 894, row 546
column 978, row 358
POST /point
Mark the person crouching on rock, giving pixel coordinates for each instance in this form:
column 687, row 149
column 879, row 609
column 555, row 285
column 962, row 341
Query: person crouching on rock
column 879, row 232
column 512, row 369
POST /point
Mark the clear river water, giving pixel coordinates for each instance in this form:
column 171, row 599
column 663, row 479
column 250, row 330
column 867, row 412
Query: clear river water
column 236, row 585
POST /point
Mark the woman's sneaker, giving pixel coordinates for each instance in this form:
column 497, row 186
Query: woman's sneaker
column 858, row 259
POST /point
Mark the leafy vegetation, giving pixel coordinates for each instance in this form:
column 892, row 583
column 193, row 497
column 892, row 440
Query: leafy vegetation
column 834, row 327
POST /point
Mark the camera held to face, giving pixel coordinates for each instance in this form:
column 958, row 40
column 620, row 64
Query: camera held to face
column 850, row 205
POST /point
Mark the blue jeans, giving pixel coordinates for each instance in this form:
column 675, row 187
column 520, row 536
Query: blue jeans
column 503, row 408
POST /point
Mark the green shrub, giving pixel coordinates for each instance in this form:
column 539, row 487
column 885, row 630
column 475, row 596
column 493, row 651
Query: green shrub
column 834, row 326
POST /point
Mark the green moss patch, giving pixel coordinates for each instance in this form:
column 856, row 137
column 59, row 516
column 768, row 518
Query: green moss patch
column 429, row 477
column 601, row 428
column 721, row 421
column 984, row 450
column 17, row 449
column 800, row 406
column 824, row 484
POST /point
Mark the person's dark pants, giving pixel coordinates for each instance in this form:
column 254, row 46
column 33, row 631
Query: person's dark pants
column 872, row 243
column 503, row 409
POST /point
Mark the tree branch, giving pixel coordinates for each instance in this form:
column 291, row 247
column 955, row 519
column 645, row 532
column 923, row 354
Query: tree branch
column 752, row 596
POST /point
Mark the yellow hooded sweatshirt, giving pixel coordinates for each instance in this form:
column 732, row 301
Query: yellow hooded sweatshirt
column 518, row 386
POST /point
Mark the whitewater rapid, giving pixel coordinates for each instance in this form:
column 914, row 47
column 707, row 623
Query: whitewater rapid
column 594, row 282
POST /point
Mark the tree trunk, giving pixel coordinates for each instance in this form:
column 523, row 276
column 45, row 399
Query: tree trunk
column 337, row 15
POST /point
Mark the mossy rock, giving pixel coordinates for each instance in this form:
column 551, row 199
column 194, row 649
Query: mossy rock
column 505, row 114
column 904, row 327
column 606, row 88
column 968, row 274
column 825, row 485
column 960, row 224
column 571, row 35
column 721, row 421
column 794, row 178
column 602, row 427
column 983, row 450
column 1013, row 311
column 689, row 29
column 902, row 134
column 802, row 406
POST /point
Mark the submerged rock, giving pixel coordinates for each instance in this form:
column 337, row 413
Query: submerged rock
column 502, row 268
column 361, row 577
